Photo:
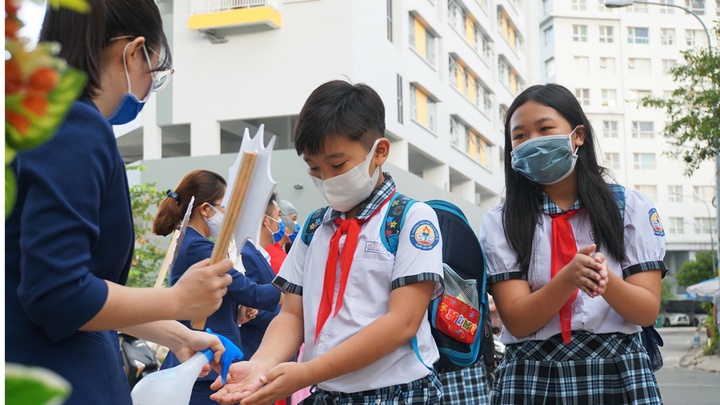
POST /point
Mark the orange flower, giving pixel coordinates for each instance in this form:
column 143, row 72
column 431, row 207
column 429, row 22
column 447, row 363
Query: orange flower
column 17, row 120
column 13, row 77
column 36, row 104
column 43, row 79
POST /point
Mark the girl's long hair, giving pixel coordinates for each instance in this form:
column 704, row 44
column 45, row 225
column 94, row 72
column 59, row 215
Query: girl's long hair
column 523, row 204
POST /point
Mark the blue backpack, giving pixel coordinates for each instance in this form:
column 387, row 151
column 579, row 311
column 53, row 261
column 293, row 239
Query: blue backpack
column 464, row 274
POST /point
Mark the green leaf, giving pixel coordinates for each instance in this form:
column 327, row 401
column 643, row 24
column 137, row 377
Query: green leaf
column 70, row 85
column 81, row 6
column 34, row 386
column 10, row 190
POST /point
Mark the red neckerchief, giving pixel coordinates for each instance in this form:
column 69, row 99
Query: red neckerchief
column 563, row 248
column 351, row 227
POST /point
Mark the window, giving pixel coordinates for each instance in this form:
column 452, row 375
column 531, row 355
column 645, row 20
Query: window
column 638, row 94
column 550, row 68
column 704, row 193
column 703, row 225
column 609, row 97
column 582, row 64
column 477, row 147
column 400, row 98
column 638, row 35
column 644, row 161
column 458, row 133
column 666, row 9
column 579, row 5
column 583, row 96
column 607, row 35
column 486, row 101
column 389, row 21
column 717, row 8
column 607, row 66
column 422, row 40
column 639, row 66
column 610, row 129
column 676, row 225
column 638, row 8
column 695, row 38
column 667, row 64
column 667, row 36
column 643, row 129
column 579, row 33
column 547, row 7
column 549, row 36
column 649, row 190
column 675, row 193
column 423, row 108
column 697, row 6
column 612, row 161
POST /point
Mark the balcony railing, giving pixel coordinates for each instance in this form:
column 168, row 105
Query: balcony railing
column 214, row 6
column 217, row 14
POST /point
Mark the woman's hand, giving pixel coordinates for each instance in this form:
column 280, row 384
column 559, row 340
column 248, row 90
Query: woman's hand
column 193, row 342
column 246, row 314
column 200, row 291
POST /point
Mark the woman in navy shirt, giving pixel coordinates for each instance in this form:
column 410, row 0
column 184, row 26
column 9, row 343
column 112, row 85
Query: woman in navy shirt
column 69, row 240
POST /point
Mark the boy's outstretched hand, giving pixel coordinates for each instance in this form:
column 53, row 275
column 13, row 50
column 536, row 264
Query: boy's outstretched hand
column 243, row 379
column 254, row 387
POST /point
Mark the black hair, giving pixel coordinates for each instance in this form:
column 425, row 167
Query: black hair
column 83, row 36
column 271, row 203
column 338, row 108
column 523, row 202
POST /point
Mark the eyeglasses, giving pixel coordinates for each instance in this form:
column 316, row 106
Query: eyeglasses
column 160, row 77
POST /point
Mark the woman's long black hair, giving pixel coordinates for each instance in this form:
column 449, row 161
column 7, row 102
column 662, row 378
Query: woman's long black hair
column 523, row 202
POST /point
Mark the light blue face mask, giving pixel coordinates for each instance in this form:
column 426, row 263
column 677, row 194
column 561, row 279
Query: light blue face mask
column 129, row 106
column 546, row 159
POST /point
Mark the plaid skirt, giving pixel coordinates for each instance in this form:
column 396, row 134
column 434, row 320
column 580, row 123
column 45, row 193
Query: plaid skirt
column 426, row 390
column 468, row 386
column 608, row 368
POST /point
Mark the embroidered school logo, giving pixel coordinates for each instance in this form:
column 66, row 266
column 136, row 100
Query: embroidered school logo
column 374, row 247
column 424, row 236
column 655, row 223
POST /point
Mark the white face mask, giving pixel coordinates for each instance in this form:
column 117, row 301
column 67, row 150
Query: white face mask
column 349, row 189
column 215, row 222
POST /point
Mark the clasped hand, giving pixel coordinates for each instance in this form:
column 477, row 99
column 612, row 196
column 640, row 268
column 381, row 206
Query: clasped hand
column 589, row 271
column 249, row 383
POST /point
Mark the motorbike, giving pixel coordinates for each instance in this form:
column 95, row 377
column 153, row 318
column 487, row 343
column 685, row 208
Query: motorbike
column 138, row 358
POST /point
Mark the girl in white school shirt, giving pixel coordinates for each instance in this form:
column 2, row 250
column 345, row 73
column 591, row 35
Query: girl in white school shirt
column 572, row 315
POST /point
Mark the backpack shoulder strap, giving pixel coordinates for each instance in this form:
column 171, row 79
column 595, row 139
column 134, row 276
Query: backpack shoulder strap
column 619, row 192
column 394, row 218
column 312, row 224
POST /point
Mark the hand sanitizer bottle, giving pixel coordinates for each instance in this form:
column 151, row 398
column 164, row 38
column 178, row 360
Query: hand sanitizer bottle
column 173, row 386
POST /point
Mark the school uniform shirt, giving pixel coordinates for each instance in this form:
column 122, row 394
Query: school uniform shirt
column 71, row 229
column 256, row 262
column 242, row 291
column 374, row 273
column 644, row 250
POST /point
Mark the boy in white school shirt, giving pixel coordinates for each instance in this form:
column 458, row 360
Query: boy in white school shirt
column 355, row 305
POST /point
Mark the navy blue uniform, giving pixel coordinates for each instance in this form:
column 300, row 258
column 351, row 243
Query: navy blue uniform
column 71, row 229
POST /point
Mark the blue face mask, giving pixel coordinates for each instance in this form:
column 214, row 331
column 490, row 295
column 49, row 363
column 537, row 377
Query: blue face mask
column 294, row 234
column 281, row 229
column 546, row 159
column 129, row 106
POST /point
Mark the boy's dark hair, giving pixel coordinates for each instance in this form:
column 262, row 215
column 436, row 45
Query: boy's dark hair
column 524, row 198
column 339, row 108
column 204, row 185
column 270, row 204
column 83, row 36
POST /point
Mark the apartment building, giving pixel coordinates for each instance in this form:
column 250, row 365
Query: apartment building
column 445, row 69
column 612, row 57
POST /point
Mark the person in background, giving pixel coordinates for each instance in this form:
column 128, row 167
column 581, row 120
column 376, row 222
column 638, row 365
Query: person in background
column 69, row 239
column 359, row 307
column 289, row 216
column 205, row 221
column 574, row 264
column 272, row 234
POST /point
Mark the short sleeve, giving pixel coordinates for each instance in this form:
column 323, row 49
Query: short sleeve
column 644, row 235
column 290, row 276
column 502, row 261
column 419, row 253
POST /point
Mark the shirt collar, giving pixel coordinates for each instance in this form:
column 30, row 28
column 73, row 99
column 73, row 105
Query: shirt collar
column 372, row 203
column 549, row 207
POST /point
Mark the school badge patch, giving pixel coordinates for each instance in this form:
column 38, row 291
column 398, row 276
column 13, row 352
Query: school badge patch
column 655, row 222
column 424, row 235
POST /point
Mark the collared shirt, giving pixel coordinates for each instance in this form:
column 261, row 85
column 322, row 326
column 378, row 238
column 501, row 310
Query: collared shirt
column 375, row 272
column 644, row 250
